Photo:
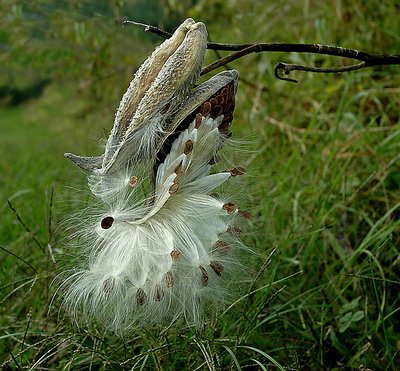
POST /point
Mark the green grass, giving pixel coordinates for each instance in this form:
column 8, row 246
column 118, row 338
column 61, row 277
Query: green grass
column 323, row 186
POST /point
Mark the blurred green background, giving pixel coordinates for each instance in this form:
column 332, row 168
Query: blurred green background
column 323, row 183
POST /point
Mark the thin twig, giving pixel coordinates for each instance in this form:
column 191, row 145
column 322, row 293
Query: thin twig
column 262, row 269
column 149, row 28
column 367, row 59
column 49, row 207
column 24, row 225
column 242, row 79
column 19, row 258
column 25, row 333
column 239, row 54
column 12, row 356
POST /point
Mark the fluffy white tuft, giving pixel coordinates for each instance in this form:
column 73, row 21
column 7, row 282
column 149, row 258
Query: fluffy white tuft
column 160, row 257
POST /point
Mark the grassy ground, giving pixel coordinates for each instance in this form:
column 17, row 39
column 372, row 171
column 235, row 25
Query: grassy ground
column 323, row 185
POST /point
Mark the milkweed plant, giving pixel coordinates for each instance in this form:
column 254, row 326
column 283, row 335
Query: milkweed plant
column 157, row 243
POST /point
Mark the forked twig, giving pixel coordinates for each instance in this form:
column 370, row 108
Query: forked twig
column 282, row 69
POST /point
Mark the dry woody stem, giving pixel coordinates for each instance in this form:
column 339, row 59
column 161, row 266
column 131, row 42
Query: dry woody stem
column 282, row 70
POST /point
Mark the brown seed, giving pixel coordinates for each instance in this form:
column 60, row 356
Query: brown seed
column 229, row 207
column 204, row 276
column 246, row 214
column 140, row 296
column 214, row 101
column 175, row 255
column 174, row 188
column 169, row 279
column 238, row 171
column 107, row 222
column 158, row 293
column 224, row 128
column 199, row 118
column 221, row 98
column 216, row 111
column 222, row 246
column 108, row 285
column 217, row 267
column 133, row 181
column 205, row 108
column 188, row 147
column 179, row 173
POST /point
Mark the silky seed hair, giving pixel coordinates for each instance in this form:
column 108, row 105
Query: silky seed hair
column 160, row 247
column 176, row 260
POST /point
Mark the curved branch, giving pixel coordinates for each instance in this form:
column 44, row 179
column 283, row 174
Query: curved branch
column 240, row 50
column 286, row 68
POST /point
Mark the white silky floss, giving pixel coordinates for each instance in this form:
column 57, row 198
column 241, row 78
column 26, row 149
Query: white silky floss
column 162, row 248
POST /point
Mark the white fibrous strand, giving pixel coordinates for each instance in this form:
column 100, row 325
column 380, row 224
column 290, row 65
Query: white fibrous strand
column 160, row 251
